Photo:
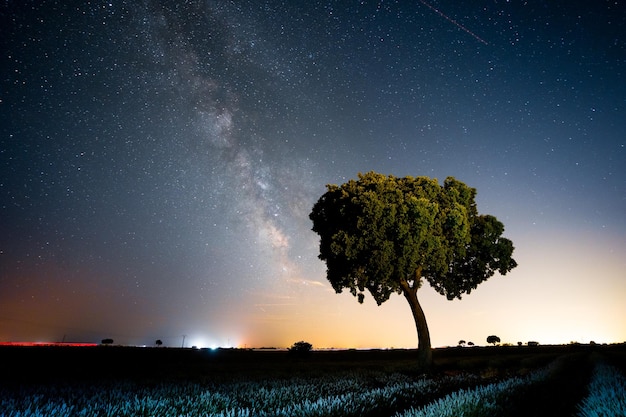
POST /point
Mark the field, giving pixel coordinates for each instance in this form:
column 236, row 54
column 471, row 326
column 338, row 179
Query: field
column 491, row 381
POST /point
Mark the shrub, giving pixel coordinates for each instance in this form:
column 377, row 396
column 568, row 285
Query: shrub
column 301, row 347
column 493, row 340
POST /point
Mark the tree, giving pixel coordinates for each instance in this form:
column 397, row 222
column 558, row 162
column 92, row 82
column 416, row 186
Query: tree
column 461, row 342
column 386, row 235
column 158, row 342
column 301, row 347
column 493, row 340
column 107, row 341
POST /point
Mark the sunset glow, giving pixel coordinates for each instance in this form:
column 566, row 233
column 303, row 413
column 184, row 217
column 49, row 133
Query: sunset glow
column 159, row 161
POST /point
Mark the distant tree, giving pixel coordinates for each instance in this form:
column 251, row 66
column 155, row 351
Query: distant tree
column 158, row 342
column 519, row 343
column 493, row 340
column 387, row 235
column 533, row 343
column 461, row 342
column 107, row 341
column 301, row 347
column 470, row 343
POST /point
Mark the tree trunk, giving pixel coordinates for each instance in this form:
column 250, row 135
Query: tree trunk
column 424, row 351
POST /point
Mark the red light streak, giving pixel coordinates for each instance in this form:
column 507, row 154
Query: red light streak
column 46, row 344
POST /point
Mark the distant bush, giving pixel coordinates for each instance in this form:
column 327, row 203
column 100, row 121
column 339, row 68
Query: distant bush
column 301, row 347
column 493, row 340
column 107, row 341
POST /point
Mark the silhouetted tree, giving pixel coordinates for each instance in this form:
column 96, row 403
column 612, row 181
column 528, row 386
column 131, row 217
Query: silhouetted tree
column 470, row 343
column 493, row 340
column 158, row 342
column 386, row 235
column 301, row 347
column 107, row 341
column 461, row 342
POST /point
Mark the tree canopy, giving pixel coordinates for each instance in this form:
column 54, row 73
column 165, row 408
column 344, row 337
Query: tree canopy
column 383, row 234
column 493, row 339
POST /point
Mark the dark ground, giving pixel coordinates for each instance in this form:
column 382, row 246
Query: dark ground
column 19, row 364
column 558, row 396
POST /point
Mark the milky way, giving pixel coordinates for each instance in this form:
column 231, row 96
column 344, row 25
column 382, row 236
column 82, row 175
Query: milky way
column 159, row 159
column 230, row 102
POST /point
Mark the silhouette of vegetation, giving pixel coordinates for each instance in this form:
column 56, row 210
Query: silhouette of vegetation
column 107, row 341
column 301, row 347
column 493, row 340
column 158, row 342
column 387, row 235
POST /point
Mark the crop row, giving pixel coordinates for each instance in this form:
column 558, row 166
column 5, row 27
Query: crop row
column 606, row 393
column 350, row 394
column 484, row 400
column 606, row 396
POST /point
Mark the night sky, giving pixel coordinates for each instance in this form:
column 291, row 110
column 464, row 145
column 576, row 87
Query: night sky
column 159, row 160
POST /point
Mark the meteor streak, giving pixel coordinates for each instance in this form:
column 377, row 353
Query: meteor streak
column 457, row 24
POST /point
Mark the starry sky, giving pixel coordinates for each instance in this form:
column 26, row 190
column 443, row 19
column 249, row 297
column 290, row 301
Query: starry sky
column 159, row 160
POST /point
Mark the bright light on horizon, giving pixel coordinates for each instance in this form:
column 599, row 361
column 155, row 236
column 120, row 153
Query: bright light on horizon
column 207, row 342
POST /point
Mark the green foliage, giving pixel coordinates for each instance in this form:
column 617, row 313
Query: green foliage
column 380, row 233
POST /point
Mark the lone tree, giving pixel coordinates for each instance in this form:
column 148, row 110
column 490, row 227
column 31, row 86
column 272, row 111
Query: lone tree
column 301, row 347
column 493, row 340
column 386, row 235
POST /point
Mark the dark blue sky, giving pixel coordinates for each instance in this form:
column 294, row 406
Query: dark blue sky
column 158, row 161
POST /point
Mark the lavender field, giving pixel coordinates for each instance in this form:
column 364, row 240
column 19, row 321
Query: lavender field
column 578, row 382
